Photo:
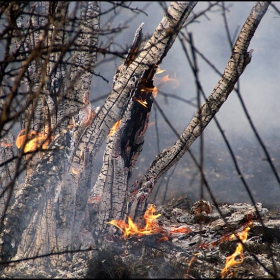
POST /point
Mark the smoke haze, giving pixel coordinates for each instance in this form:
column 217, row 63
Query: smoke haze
column 258, row 86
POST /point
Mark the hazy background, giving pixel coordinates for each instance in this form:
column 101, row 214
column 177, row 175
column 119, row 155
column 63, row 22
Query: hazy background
column 259, row 87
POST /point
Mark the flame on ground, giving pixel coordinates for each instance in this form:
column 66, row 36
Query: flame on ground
column 114, row 128
column 231, row 260
column 131, row 228
column 151, row 227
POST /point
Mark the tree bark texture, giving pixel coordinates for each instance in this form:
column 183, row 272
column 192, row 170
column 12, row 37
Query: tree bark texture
column 237, row 63
column 43, row 216
column 59, row 208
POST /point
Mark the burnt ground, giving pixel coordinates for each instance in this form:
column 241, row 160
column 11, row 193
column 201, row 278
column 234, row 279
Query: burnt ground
column 200, row 252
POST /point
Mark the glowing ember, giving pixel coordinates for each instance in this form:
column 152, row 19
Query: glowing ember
column 5, row 144
column 190, row 262
column 144, row 103
column 74, row 171
column 181, row 229
column 132, row 229
column 231, row 260
column 114, row 128
column 34, row 140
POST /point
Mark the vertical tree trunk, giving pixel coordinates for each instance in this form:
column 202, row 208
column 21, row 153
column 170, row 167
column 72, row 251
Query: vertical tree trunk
column 49, row 208
column 58, row 209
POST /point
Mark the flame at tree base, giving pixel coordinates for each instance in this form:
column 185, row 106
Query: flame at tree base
column 132, row 229
column 151, row 227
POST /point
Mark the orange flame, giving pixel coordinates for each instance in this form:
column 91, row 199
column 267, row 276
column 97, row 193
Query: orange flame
column 114, row 128
column 143, row 103
column 132, row 229
column 230, row 260
column 191, row 261
column 155, row 92
column 163, row 81
column 166, row 79
column 34, row 140
column 159, row 71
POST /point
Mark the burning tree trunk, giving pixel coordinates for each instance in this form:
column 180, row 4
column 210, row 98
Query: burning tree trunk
column 65, row 213
column 45, row 217
column 237, row 63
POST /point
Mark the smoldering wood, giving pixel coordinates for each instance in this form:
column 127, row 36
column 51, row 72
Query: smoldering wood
column 54, row 205
column 59, row 215
column 237, row 63
column 200, row 252
column 90, row 142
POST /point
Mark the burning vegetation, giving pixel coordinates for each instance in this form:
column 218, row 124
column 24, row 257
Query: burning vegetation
column 34, row 140
column 199, row 244
column 232, row 259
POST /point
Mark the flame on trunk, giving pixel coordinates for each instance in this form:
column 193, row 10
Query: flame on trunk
column 231, row 260
column 159, row 71
column 114, row 128
column 163, row 81
column 34, row 140
column 142, row 102
column 131, row 228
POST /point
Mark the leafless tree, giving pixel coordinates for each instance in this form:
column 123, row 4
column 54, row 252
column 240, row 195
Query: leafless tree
column 54, row 211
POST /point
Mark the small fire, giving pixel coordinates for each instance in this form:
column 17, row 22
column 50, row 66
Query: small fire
column 163, row 81
column 190, row 262
column 151, row 226
column 159, row 71
column 231, row 260
column 142, row 102
column 114, row 128
column 34, row 140
column 131, row 228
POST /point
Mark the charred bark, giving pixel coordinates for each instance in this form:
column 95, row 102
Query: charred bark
column 237, row 63
column 58, row 210
column 45, row 215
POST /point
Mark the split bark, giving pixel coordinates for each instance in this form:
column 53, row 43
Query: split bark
column 47, row 218
column 237, row 63
column 60, row 214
